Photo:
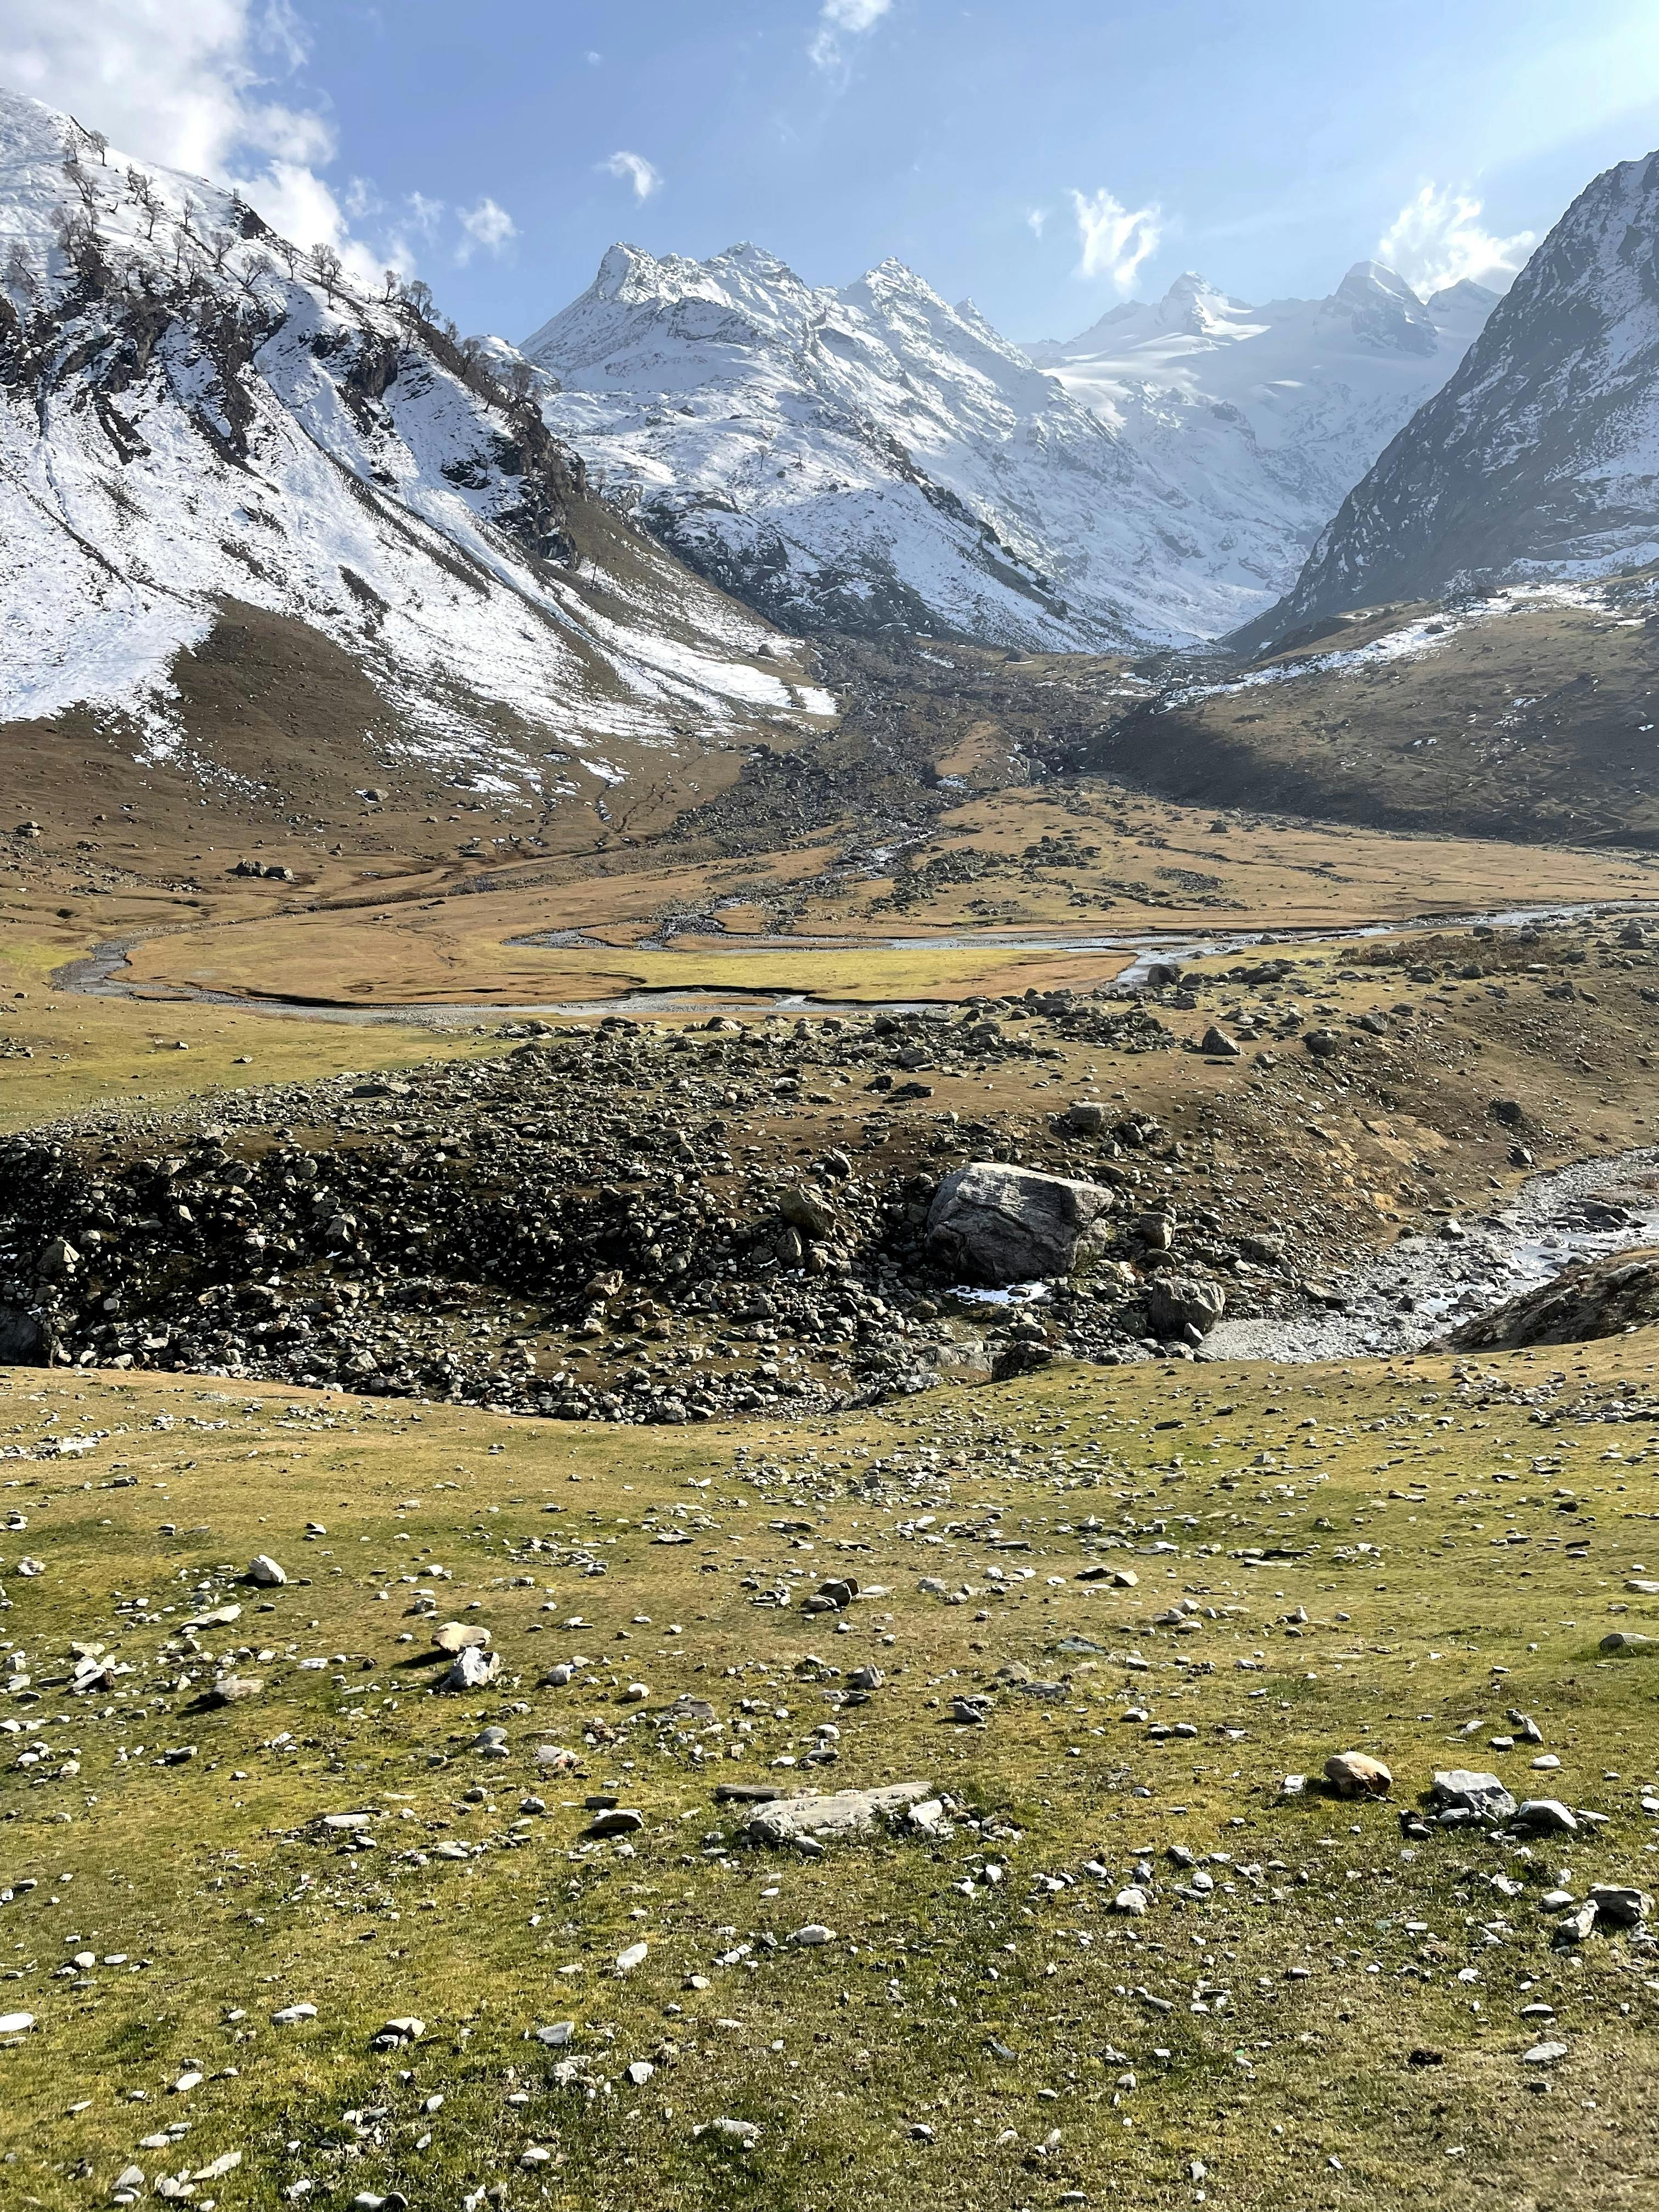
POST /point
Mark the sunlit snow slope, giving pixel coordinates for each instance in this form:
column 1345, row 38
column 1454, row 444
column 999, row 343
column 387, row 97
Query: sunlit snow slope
column 874, row 458
column 193, row 414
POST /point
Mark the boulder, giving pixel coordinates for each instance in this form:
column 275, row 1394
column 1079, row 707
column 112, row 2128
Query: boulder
column 1482, row 1796
column 264, row 1571
column 1216, row 1044
column 472, row 1669
column 1356, row 1774
column 995, row 1223
column 1175, row 1303
column 1085, row 1117
column 806, row 1210
column 1545, row 1816
column 835, row 1818
column 1626, row 1640
column 1620, row 1903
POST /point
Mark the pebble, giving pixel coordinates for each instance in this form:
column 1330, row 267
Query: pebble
column 633, row 1956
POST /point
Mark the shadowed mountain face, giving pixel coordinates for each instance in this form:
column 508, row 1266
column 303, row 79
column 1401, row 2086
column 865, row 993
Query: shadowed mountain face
column 1540, row 456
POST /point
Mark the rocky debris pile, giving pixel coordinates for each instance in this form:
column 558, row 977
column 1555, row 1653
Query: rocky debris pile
column 604, row 1223
column 1601, row 1297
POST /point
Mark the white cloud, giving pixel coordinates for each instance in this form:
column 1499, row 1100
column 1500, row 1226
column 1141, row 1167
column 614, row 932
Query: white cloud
column 208, row 86
column 1437, row 240
column 486, row 225
column 839, row 18
column 1038, row 222
column 186, row 83
column 645, row 178
column 1115, row 239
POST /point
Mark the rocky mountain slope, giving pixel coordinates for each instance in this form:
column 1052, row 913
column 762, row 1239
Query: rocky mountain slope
column 205, row 431
column 873, row 458
column 1541, row 454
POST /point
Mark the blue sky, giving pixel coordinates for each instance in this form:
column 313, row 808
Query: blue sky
column 1047, row 159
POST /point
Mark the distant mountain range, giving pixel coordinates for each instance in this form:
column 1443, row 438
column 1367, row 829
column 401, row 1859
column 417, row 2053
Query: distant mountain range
column 1540, row 456
column 873, row 458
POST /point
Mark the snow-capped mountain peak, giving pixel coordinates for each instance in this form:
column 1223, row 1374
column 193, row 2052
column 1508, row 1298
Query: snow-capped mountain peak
column 872, row 457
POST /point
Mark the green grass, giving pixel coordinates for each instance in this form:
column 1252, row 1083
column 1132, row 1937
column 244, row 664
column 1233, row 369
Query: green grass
column 215, row 1873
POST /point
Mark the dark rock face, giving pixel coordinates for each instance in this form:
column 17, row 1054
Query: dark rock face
column 1598, row 1298
column 1540, row 448
column 1005, row 1225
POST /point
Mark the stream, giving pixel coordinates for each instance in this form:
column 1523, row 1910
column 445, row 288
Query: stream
column 1427, row 1285
column 98, row 975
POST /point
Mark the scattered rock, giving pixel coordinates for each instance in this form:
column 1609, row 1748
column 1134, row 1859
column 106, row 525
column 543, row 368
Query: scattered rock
column 835, row 1817
column 264, row 1571
column 1479, row 1796
column 1356, row 1774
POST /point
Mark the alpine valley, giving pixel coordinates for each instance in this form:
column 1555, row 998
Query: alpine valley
column 876, row 991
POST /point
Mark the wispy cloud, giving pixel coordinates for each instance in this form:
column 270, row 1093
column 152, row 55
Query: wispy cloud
column 1038, row 222
column 839, row 19
column 1437, row 239
column 1115, row 239
column 645, row 177
column 486, row 227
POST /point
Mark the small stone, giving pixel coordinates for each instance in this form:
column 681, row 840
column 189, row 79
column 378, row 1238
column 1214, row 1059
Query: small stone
column 291, row 2015
column 1627, row 1642
column 813, row 1934
column 396, row 2034
column 557, row 2034
column 639, row 2072
column 1216, row 1044
column 615, row 1820
column 1131, row 1900
column 264, row 1571
column 1544, row 2054
column 632, row 1957
column 15, row 2023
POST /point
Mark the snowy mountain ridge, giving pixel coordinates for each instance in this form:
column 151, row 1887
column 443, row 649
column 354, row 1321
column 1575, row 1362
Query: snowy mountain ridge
column 873, row 458
column 1540, row 456
column 193, row 413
